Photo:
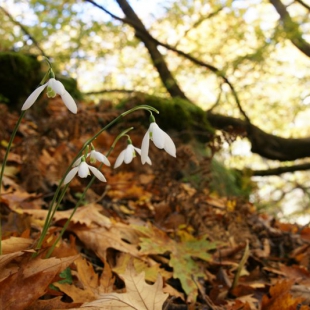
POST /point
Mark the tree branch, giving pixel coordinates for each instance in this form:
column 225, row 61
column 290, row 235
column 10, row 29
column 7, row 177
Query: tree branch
column 105, row 91
column 263, row 144
column 305, row 5
column 281, row 170
column 157, row 58
column 291, row 28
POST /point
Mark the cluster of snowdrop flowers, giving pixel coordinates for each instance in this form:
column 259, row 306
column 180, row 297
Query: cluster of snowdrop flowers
column 160, row 138
column 83, row 169
column 54, row 88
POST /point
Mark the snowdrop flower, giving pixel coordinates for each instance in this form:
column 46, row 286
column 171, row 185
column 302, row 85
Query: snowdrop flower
column 83, row 171
column 94, row 157
column 160, row 139
column 128, row 154
column 97, row 156
column 54, row 87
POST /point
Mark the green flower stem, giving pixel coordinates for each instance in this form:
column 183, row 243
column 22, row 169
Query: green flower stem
column 50, row 251
column 50, row 214
column 4, row 164
column 88, row 142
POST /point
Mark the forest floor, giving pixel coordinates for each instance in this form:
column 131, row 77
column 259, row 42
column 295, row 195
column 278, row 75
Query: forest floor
column 148, row 238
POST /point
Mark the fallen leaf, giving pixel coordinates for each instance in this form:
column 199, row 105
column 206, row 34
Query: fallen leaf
column 15, row 244
column 156, row 241
column 139, row 295
column 281, row 298
column 30, row 281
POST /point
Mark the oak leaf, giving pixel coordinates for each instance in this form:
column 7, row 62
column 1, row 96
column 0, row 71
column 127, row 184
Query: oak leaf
column 156, row 241
column 139, row 295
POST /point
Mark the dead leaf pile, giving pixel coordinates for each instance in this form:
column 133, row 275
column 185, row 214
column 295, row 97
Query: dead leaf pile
column 147, row 239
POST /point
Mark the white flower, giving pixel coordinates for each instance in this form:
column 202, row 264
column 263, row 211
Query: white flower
column 94, row 156
column 128, row 154
column 83, row 171
column 54, row 87
column 160, row 139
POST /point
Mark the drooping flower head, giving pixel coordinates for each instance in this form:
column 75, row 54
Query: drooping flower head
column 83, row 171
column 54, row 87
column 94, row 157
column 160, row 139
column 128, row 154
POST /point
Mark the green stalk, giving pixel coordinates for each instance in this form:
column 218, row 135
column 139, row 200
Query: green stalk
column 50, row 214
column 4, row 164
column 50, row 251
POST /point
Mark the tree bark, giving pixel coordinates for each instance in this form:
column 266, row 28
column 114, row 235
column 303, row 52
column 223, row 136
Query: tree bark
column 262, row 143
column 291, row 28
column 157, row 58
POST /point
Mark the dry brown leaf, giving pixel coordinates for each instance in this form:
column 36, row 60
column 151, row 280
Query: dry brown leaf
column 119, row 236
column 281, row 298
column 139, row 295
column 15, row 244
column 149, row 266
column 86, row 215
column 173, row 292
column 52, row 304
column 30, row 281
column 5, row 261
column 91, row 285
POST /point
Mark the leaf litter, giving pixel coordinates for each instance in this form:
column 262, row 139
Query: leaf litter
column 147, row 239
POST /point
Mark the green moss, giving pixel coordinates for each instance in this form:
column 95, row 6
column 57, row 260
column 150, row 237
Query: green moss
column 19, row 75
column 176, row 114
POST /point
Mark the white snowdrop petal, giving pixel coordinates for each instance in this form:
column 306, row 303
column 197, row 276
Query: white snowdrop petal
column 33, row 97
column 129, row 154
column 71, row 174
column 145, row 147
column 148, row 160
column 106, row 161
column 97, row 174
column 77, row 162
column 57, row 86
column 69, row 102
column 83, row 170
column 119, row 159
column 137, row 150
column 169, row 146
column 100, row 157
column 158, row 136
